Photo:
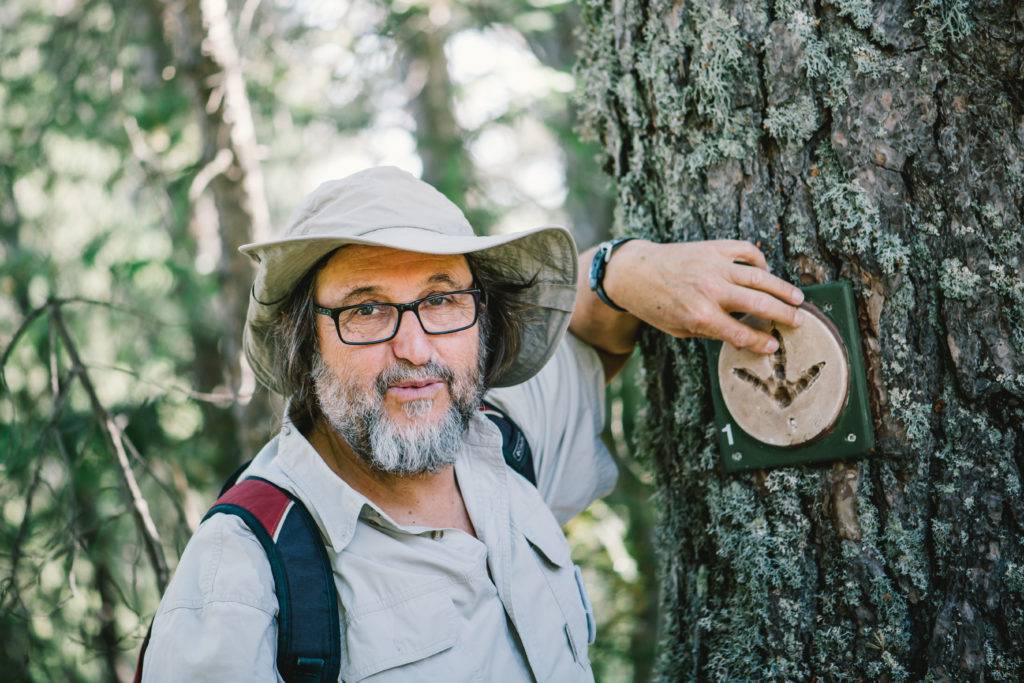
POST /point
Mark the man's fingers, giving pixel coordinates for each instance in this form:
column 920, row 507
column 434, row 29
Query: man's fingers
column 742, row 336
column 762, row 305
column 739, row 250
column 766, row 282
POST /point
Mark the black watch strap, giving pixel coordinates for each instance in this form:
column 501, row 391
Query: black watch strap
column 597, row 268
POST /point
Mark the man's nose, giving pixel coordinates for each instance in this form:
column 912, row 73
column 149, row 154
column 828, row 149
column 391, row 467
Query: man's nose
column 411, row 342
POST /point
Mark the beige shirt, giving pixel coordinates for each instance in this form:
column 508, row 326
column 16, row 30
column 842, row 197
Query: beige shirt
column 416, row 603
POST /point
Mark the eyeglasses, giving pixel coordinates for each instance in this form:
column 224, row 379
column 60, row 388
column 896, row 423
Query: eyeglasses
column 373, row 322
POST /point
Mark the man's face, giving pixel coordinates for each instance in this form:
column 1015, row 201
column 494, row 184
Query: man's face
column 402, row 405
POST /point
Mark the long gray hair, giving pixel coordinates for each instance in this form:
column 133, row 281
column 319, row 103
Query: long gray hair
column 504, row 314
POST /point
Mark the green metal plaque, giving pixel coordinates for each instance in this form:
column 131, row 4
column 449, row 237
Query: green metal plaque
column 805, row 403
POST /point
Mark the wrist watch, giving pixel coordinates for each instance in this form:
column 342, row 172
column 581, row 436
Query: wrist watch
column 597, row 267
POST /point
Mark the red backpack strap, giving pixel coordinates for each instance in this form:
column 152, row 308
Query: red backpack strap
column 266, row 502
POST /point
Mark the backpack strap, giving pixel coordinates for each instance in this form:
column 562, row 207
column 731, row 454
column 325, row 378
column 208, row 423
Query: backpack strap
column 514, row 447
column 308, row 630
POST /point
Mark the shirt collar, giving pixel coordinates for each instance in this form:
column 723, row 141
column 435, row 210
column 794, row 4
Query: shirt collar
column 330, row 499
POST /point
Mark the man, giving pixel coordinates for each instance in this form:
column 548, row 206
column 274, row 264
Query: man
column 385, row 320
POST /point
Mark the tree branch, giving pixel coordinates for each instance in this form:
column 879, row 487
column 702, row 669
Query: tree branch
column 9, row 584
column 29, row 319
column 150, row 535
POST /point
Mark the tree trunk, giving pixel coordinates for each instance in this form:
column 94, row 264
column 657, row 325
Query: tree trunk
column 589, row 202
column 200, row 33
column 880, row 143
column 439, row 138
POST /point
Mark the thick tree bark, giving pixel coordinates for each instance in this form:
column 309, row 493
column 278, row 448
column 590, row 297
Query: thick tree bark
column 880, row 143
column 200, row 34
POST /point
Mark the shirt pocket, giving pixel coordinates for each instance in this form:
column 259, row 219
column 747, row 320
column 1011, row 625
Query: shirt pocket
column 398, row 639
column 556, row 566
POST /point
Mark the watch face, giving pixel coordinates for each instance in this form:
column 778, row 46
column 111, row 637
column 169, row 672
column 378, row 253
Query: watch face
column 596, row 265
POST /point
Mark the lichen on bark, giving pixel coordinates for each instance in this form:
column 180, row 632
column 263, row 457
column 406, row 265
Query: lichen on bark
column 879, row 142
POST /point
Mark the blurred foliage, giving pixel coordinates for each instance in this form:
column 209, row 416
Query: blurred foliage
column 110, row 318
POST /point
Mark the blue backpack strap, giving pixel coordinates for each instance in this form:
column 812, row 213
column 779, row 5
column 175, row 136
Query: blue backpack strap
column 514, row 447
column 308, row 629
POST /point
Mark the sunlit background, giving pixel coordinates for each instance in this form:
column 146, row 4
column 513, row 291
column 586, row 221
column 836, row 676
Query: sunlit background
column 120, row 210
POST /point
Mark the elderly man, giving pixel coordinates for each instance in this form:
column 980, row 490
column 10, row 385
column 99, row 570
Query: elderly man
column 447, row 564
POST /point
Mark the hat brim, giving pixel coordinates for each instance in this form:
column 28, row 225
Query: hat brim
column 547, row 254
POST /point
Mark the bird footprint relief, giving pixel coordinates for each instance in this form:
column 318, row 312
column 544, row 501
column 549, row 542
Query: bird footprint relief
column 781, row 390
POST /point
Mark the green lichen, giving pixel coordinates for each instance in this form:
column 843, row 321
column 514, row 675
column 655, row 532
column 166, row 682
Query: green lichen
column 850, row 55
column 1001, row 665
column 854, row 582
column 848, row 218
column 946, row 22
column 861, row 12
column 658, row 66
column 761, row 540
column 793, row 123
column 913, row 414
column 708, row 149
column 957, row 281
column 716, row 63
column 814, row 58
column 1014, row 576
column 1010, row 287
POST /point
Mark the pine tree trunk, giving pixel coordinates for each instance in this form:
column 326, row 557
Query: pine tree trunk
column 588, row 203
column 201, row 37
column 880, row 143
column 439, row 138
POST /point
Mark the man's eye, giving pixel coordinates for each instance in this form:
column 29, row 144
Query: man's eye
column 366, row 309
column 438, row 300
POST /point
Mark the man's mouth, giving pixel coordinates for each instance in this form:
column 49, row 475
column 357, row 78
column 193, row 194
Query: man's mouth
column 416, row 382
column 409, row 390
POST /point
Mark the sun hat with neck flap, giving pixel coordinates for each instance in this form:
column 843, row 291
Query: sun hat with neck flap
column 388, row 207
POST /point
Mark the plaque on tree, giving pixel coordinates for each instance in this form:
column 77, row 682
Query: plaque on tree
column 806, row 402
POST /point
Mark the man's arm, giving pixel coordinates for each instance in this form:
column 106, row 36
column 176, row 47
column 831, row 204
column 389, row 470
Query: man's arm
column 686, row 289
column 217, row 619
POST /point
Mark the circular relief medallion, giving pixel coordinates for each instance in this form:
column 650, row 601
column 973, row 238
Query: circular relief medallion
column 794, row 395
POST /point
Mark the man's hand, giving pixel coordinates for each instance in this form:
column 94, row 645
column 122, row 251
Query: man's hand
column 688, row 289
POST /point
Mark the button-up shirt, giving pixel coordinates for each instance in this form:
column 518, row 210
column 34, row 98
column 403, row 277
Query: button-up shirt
column 416, row 603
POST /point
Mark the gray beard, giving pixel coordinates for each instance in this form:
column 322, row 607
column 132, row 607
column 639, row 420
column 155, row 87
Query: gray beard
column 360, row 418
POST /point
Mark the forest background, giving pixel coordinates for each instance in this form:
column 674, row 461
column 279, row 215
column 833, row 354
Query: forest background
column 140, row 144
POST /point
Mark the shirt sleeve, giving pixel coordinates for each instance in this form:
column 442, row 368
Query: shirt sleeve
column 561, row 412
column 217, row 620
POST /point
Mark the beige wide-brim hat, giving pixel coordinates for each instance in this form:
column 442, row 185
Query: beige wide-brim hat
column 386, row 206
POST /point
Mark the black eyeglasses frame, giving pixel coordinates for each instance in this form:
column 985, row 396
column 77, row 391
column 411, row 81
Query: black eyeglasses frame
column 414, row 306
